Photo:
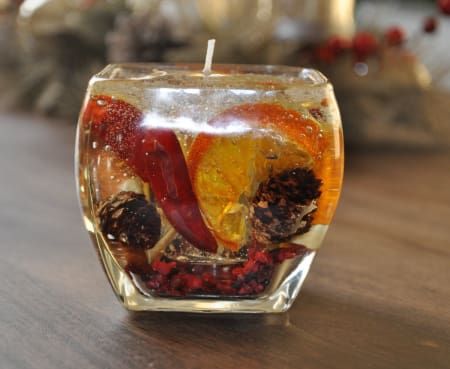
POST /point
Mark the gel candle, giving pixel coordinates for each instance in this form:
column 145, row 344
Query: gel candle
column 208, row 189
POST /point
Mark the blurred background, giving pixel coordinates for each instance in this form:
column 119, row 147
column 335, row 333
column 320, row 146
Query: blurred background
column 378, row 296
column 388, row 60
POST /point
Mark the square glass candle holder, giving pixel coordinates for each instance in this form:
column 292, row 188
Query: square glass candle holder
column 208, row 193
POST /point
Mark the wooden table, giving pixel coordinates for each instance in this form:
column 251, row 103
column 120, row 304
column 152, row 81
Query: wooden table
column 378, row 295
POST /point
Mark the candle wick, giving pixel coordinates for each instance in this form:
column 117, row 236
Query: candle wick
column 209, row 56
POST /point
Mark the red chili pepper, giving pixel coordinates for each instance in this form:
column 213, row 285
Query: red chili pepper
column 160, row 161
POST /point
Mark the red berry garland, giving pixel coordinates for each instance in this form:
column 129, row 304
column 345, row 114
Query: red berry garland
column 367, row 45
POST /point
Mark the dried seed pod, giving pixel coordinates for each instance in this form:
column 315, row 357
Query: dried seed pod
column 128, row 217
column 284, row 204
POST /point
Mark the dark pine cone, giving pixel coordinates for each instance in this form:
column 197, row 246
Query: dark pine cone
column 131, row 219
column 282, row 206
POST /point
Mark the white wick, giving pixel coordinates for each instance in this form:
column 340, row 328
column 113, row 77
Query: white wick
column 209, row 56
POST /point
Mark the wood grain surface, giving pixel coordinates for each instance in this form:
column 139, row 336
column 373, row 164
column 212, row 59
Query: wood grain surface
column 378, row 295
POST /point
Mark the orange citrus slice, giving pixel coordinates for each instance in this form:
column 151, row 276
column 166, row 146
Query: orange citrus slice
column 247, row 143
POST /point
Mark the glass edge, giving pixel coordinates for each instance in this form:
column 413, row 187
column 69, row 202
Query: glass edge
column 309, row 75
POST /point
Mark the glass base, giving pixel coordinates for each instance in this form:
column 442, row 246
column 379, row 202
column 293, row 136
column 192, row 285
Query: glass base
column 277, row 301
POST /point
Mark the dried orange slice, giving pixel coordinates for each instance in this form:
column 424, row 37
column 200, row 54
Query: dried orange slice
column 247, row 143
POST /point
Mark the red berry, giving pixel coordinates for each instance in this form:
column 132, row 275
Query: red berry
column 262, row 257
column 208, row 278
column 163, row 267
column 338, row 44
column 237, row 272
column 250, row 266
column 364, row 45
column 332, row 48
column 245, row 290
column 192, row 282
column 288, row 252
column 444, row 5
column 430, row 24
column 325, row 54
column 259, row 288
column 225, row 287
column 285, row 254
column 394, row 36
column 153, row 284
column 176, row 282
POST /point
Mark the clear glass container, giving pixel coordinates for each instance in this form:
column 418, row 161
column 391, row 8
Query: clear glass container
column 208, row 193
